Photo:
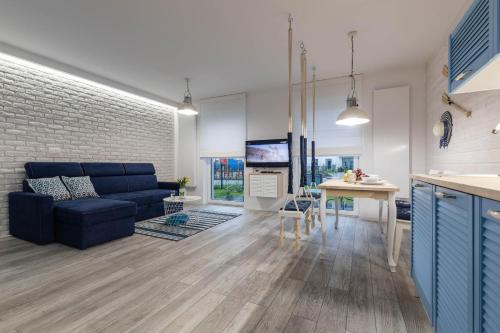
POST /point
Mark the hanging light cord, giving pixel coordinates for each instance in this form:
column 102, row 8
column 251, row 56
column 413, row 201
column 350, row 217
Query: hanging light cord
column 353, row 82
column 187, row 93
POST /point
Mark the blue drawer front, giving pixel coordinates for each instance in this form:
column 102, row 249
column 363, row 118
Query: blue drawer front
column 489, row 268
column 421, row 251
column 471, row 44
column 454, row 262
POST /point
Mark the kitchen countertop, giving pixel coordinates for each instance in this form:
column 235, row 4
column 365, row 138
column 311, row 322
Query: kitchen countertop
column 482, row 186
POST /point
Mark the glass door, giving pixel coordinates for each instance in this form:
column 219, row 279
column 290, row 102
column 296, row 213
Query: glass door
column 227, row 180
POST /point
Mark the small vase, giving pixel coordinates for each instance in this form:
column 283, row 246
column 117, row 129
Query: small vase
column 182, row 192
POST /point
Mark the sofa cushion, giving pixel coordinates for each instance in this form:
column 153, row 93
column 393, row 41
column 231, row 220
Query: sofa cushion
column 88, row 212
column 53, row 169
column 142, row 182
column 141, row 198
column 103, row 169
column 80, row 187
column 50, row 186
column 112, row 184
column 139, row 168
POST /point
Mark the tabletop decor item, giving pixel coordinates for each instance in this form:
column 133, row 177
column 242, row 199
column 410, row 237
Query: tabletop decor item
column 182, row 185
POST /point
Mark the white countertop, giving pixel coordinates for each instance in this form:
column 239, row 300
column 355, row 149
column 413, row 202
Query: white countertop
column 482, row 186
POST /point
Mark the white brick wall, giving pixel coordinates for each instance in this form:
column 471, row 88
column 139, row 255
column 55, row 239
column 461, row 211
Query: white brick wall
column 46, row 116
column 473, row 149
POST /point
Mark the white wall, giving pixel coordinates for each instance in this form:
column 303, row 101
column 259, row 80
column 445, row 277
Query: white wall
column 267, row 113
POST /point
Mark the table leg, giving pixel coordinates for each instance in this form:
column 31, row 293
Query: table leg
column 322, row 209
column 391, row 231
column 337, row 204
column 380, row 209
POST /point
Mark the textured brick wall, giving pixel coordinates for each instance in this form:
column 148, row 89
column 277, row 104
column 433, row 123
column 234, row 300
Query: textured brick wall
column 473, row 149
column 46, row 116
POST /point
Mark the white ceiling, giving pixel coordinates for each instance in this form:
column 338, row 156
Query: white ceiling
column 225, row 46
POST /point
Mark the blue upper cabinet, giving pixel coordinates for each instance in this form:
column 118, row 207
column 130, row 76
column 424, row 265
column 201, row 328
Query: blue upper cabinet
column 487, row 266
column 454, row 282
column 474, row 61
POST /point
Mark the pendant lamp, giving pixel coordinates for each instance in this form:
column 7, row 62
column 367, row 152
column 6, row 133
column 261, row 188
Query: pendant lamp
column 352, row 115
column 187, row 107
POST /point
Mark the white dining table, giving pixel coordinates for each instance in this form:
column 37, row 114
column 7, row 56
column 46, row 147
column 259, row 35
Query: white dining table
column 337, row 188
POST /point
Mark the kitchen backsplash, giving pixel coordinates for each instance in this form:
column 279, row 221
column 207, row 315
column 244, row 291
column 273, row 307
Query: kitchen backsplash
column 473, row 149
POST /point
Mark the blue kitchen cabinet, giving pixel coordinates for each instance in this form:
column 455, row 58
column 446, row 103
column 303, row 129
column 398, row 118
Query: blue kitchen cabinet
column 474, row 61
column 454, row 271
column 487, row 268
column 422, row 240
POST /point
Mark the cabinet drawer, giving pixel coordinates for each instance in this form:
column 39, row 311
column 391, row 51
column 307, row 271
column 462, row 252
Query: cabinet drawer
column 488, row 286
column 453, row 261
column 421, row 242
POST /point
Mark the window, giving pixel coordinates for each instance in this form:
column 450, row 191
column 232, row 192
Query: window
column 228, row 176
column 331, row 167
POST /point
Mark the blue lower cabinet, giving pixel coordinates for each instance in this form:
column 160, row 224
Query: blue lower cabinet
column 454, row 271
column 421, row 236
column 487, row 266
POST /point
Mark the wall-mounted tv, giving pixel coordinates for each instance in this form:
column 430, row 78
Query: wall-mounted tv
column 267, row 153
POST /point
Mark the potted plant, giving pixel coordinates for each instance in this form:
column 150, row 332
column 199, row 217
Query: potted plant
column 182, row 185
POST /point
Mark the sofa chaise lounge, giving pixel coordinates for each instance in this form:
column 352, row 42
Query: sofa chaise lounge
column 128, row 192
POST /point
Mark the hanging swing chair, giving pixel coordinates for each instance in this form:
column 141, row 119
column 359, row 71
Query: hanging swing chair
column 293, row 208
column 310, row 190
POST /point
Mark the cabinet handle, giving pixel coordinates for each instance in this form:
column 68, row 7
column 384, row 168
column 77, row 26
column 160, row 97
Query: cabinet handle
column 493, row 214
column 418, row 185
column 442, row 195
column 462, row 75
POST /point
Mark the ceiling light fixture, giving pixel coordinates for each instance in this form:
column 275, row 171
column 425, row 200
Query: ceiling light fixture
column 187, row 107
column 352, row 115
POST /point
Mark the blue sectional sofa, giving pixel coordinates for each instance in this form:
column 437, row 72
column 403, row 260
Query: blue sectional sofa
column 129, row 192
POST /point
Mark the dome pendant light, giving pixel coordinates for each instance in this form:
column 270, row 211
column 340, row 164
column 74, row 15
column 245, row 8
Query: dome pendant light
column 352, row 115
column 186, row 107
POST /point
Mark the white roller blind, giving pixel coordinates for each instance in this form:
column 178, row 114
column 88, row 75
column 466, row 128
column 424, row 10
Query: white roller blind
column 331, row 138
column 222, row 126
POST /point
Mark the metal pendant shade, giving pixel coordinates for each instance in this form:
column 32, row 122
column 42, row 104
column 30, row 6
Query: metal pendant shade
column 352, row 115
column 187, row 107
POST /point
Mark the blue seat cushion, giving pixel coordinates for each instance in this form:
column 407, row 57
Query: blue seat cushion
column 88, row 212
column 141, row 183
column 141, row 198
column 302, row 205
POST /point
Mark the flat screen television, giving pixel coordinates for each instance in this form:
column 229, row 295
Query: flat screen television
column 267, row 153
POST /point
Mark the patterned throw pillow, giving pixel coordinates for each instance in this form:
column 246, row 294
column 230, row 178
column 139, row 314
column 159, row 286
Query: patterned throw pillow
column 50, row 186
column 80, row 187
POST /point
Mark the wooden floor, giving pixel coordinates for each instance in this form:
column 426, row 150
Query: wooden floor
column 235, row 277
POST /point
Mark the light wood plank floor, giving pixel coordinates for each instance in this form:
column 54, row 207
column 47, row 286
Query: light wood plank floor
column 235, row 277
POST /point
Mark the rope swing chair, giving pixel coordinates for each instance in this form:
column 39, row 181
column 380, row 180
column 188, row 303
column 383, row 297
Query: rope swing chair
column 293, row 208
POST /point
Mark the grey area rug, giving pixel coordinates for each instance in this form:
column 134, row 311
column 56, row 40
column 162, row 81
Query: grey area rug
column 182, row 225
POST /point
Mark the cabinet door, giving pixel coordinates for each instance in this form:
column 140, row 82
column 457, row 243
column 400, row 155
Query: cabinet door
column 471, row 44
column 454, row 261
column 488, row 267
column 421, row 243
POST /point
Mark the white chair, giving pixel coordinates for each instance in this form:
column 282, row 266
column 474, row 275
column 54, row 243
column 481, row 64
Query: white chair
column 403, row 222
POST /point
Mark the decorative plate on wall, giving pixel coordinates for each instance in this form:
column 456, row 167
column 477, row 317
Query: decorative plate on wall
column 447, row 121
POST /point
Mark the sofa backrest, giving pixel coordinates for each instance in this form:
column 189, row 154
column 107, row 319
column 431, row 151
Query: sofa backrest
column 107, row 177
column 53, row 169
column 140, row 176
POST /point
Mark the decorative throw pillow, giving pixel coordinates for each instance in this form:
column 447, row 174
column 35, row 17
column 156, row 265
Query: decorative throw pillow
column 80, row 187
column 50, row 186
